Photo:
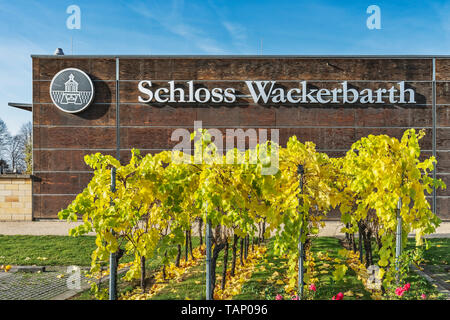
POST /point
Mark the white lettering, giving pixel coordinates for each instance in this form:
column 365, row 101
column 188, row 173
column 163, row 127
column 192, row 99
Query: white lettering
column 229, row 93
column 412, row 98
column 172, row 91
column 380, row 95
column 345, row 92
column 392, row 94
column 278, row 95
column 145, row 90
column 158, row 97
column 198, row 95
column 217, row 95
column 324, row 92
column 289, row 95
column 306, row 94
column 335, row 92
column 261, row 85
column 265, row 92
column 366, row 96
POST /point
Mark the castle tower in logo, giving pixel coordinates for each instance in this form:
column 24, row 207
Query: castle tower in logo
column 71, row 94
column 71, row 90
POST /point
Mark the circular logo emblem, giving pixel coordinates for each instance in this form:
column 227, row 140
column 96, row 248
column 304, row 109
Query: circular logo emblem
column 71, row 90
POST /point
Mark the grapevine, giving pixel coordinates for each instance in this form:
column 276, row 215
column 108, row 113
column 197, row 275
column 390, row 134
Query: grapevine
column 159, row 197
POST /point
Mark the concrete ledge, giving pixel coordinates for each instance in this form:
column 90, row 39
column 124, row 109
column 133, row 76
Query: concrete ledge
column 38, row 228
column 15, row 176
column 61, row 228
column 29, row 269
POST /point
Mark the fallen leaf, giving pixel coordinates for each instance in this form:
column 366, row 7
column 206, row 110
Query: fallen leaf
column 349, row 293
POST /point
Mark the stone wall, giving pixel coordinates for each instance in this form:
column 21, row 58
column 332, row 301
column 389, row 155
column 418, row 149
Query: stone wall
column 15, row 197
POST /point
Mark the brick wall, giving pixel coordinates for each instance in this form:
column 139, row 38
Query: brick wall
column 60, row 140
column 15, row 198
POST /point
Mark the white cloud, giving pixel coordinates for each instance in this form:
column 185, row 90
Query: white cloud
column 238, row 34
column 236, row 30
column 173, row 21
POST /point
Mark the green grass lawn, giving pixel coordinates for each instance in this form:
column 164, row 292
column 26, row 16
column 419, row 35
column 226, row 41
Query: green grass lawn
column 438, row 252
column 152, row 266
column 64, row 250
column 436, row 256
column 55, row 251
column 193, row 286
column 259, row 288
column 46, row 250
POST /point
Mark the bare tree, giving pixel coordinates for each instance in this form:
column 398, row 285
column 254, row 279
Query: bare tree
column 26, row 134
column 4, row 138
column 3, row 166
column 17, row 149
column 26, row 131
column 15, row 154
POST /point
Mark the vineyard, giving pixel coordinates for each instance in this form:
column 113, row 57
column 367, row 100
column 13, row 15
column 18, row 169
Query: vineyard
column 157, row 205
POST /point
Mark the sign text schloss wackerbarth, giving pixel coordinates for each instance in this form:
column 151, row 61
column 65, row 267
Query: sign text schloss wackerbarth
column 269, row 92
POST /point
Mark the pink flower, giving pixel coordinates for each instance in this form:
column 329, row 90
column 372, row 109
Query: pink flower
column 279, row 297
column 312, row 287
column 423, row 296
column 406, row 287
column 295, row 298
column 339, row 296
column 399, row 291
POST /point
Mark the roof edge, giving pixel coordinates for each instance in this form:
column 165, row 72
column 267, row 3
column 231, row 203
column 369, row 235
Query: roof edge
column 241, row 56
column 23, row 106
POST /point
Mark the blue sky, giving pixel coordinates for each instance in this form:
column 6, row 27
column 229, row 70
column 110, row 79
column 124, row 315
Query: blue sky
column 208, row 27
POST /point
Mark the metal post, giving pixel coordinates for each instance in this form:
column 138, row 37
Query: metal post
column 300, row 172
column 434, row 118
column 112, row 256
column 398, row 237
column 356, row 151
column 208, row 237
column 360, row 242
column 247, row 245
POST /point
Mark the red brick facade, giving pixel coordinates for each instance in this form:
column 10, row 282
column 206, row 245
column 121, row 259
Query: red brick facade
column 61, row 139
